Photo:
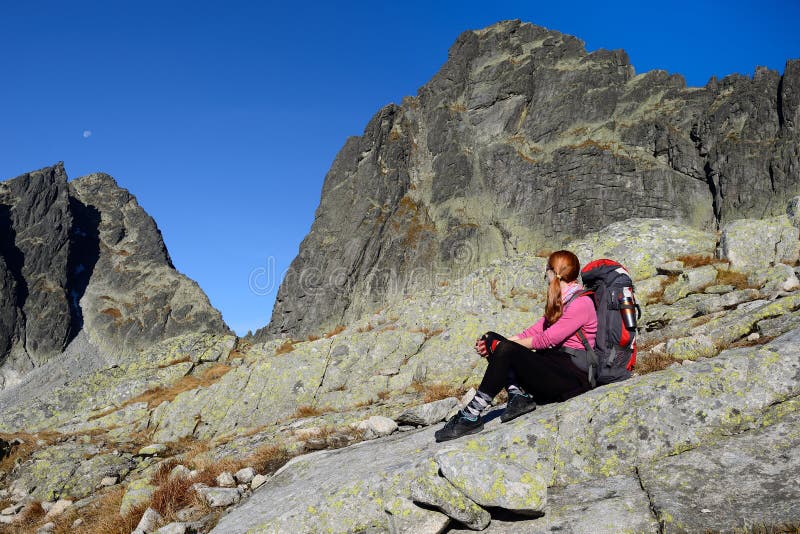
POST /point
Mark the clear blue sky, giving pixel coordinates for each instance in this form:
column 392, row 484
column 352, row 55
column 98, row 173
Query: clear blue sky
column 223, row 117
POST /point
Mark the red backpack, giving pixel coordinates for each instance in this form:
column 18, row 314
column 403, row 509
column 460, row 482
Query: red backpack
column 611, row 288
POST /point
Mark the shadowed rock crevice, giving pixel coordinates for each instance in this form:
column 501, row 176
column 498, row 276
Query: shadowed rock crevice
column 84, row 253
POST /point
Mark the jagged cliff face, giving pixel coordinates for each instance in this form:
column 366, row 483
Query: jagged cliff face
column 85, row 256
column 522, row 141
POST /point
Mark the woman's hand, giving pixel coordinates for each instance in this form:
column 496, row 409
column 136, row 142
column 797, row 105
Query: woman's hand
column 480, row 348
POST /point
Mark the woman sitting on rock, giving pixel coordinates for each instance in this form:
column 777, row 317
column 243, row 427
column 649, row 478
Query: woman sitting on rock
column 545, row 363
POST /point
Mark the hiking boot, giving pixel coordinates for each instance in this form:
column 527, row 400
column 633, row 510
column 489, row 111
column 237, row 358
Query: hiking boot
column 458, row 426
column 517, row 405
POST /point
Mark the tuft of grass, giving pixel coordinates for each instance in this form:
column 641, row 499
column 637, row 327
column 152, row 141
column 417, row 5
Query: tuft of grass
column 437, row 391
column 367, row 328
column 157, row 395
column 696, row 260
column 650, row 362
column 101, row 516
column 171, row 496
column 659, row 294
column 285, row 347
column 338, row 330
column 185, row 359
column 306, row 410
column 733, row 278
column 28, row 519
column 427, row 332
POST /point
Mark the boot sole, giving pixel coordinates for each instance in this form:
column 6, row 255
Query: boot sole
column 467, row 433
column 504, row 419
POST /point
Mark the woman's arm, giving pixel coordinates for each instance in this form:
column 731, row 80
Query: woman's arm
column 575, row 316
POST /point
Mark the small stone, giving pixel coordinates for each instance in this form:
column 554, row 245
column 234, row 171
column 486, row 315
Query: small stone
column 186, row 514
column 172, row 528
column 78, row 522
column 377, row 426
column 108, row 481
column 258, row 481
column 47, row 528
column 11, row 510
column 245, row 476
column 225, row 480
column 316, row 444
column 405, row 428
column 429, row 413
column 755, row 336
column 720, row 289
column 149, row 521
column 705, row 511
column 58, row 507
column 152, row 450
column 218, row 497
column 6, row 519
column 670, row 267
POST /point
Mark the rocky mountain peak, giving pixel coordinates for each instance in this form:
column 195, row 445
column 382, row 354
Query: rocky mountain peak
column 520, row 142
column 84, row 257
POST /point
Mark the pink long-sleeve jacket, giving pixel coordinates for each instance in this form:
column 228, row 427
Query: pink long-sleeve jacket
column 579, row 313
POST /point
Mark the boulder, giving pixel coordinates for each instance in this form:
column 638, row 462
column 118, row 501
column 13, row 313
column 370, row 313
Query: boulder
column 690, row 281
column 750, row 244
column 68, row 469
column 137, row 492
column 220, row 497
column 245, row 476
column 778, row 278
column 377, row 426
column 148, row 523
column 732, row 485
column 428, row 413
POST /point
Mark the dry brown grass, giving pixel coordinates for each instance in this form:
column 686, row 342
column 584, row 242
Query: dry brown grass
column 267, row 459
column 338, row 330
column 285, row 347
column 367, row 328
column 312, row 338
column 696, row 260
column 28, row 519
column 427, row 332
column 157, row 395
column 171, row 496
column 438, row 391
column 185, row 359
column 649, row 362
column 744, row 342
column 733, row 278
column 658, row 295
column 23, row 451
column 306, row 410
column 101, row 516
column 384, row 394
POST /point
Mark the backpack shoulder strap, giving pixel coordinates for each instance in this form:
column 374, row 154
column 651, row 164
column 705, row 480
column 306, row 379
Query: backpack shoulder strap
column 591, row 357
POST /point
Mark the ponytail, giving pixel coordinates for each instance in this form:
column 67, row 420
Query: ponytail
column 554, row 307
column 565, row 266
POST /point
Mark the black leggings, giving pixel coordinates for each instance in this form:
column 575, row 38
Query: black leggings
column 548, row 375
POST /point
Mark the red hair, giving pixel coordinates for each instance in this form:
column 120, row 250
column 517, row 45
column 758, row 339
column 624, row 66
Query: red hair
column 566, row 267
